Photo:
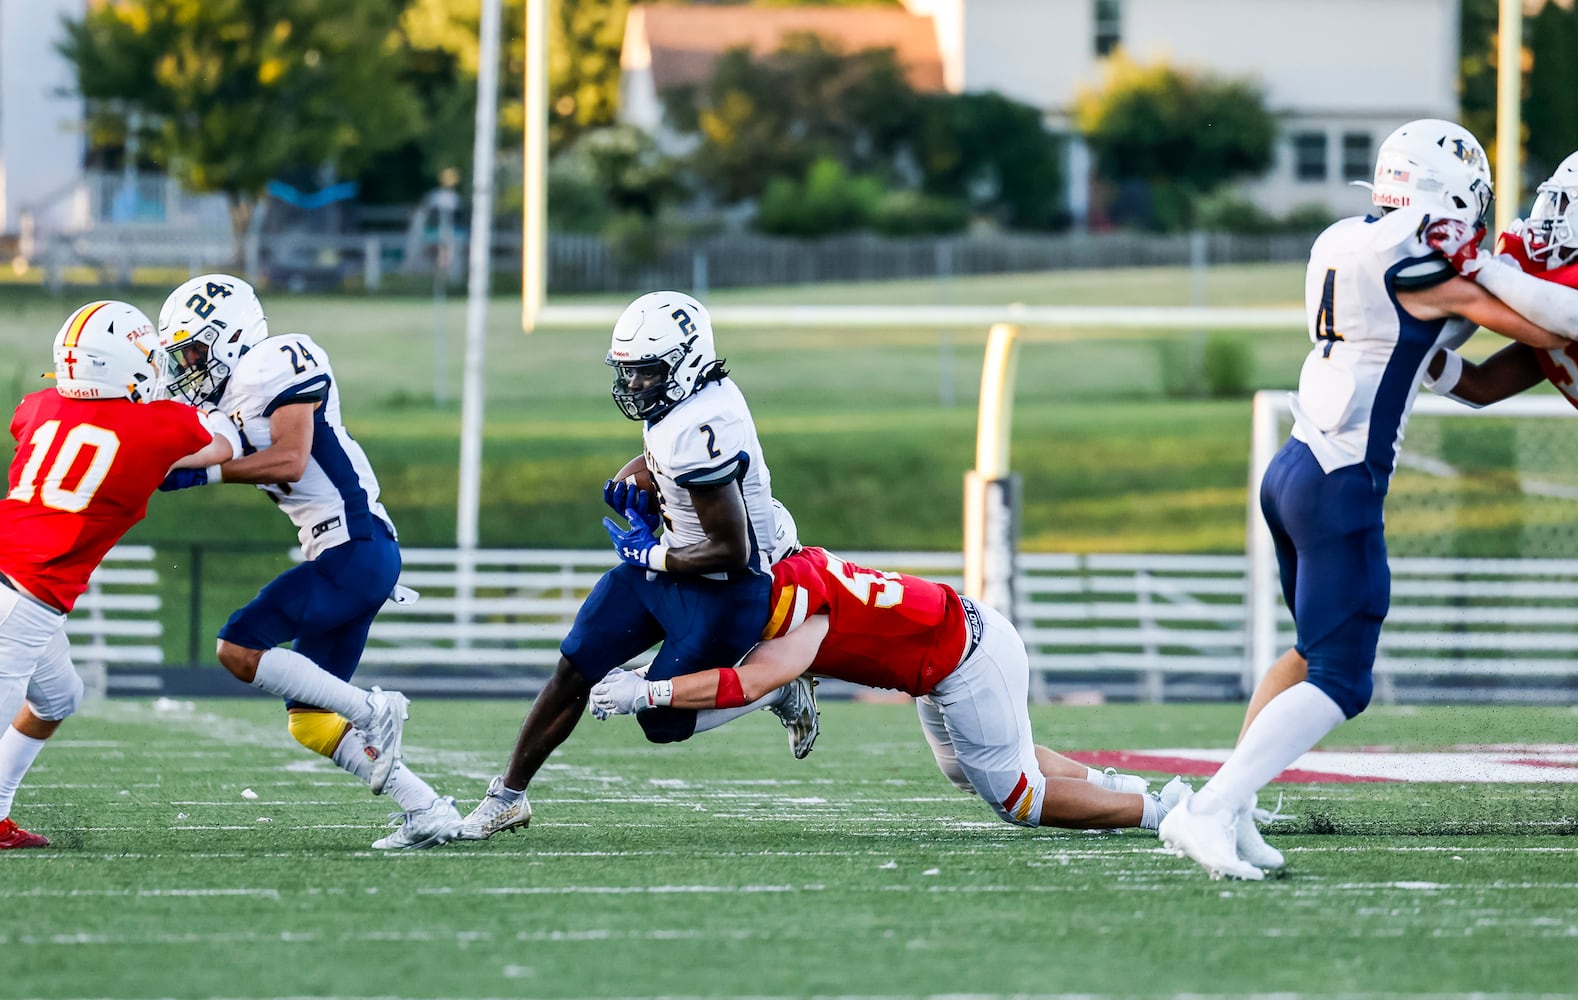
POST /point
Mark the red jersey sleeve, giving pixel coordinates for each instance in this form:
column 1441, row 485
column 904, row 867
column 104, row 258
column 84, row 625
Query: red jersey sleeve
column 1560, row 364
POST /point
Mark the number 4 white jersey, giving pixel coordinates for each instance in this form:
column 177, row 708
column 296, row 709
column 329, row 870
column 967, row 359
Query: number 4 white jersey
column 1359, row 382
column 336, row 499
column 709, row 440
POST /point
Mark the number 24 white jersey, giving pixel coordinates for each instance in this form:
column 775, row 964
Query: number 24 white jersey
column 1359, row 381
column 709, row 440
column 336, row 499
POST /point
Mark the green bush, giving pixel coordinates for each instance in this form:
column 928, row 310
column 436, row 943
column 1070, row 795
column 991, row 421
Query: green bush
column 1230, row 212
column 1310, row 217
column 909, row 213
column 829, row 200
column 1226, row 366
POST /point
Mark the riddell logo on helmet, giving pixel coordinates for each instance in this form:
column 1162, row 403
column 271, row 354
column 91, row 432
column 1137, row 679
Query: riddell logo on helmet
column 1390, row 200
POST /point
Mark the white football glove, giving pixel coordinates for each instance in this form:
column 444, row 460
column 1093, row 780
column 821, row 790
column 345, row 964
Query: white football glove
column 620, row 692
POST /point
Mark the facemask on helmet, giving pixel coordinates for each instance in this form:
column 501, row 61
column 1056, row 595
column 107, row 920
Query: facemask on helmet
column 1552, row 236
column 786, row 538
column 1435, row 164
column 108, row 350
column 661, row 354
column 205, row 326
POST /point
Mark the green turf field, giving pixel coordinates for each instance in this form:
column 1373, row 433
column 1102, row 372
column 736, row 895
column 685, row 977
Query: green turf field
column 726, row 868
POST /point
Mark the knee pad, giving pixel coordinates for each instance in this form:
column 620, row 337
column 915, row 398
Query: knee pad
column 1348, row 687
column 60, row 703
column 1022, row 805
column 667, row 725
column 319, row 732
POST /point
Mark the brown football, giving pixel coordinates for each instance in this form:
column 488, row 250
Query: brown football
column 636, row 469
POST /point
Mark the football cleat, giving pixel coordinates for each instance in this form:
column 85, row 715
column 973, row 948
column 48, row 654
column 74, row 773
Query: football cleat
column 438, row 824
column 1115, row 781
column 498, row 811
column 1172, row 793
column 797, row 711
column 1252, row 847
column 1210, row 839
column 13, row 837
column 383, row 734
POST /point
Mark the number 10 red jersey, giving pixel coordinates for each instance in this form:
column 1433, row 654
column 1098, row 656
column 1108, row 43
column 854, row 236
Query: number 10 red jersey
column 82, row 475
column 887, row 630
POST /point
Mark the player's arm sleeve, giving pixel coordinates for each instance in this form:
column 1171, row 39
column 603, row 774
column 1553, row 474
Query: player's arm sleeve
column 220, row 427
column 1543, row 303
column 312, row 390
column 713, row 454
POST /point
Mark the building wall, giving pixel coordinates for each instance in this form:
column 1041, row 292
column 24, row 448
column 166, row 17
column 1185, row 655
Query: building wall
column 1333, row 67
column 41, row 140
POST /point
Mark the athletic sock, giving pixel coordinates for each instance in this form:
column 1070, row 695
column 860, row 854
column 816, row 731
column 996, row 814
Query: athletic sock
column 1152, row 817
column 1289, row 726
column 290, row 675
column 17, row 753
column 712, row 718
column 1095, row 777
column 410, row 792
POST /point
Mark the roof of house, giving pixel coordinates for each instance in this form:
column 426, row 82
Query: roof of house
column 682, row 43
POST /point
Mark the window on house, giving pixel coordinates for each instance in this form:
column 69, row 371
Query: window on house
column 1108, row 17
column 1309, row 156
column 1356, row 155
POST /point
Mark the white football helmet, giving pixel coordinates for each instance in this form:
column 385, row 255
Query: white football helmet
column 661, row 353
column 1552, row 229
column 1433, row 163
column 786, row 538
column 204, row 328
column 108, row 350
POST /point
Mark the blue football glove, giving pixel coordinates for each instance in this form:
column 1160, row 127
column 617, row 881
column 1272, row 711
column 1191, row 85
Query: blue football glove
column 637, row 545
column 180, row 479
column 623, row 497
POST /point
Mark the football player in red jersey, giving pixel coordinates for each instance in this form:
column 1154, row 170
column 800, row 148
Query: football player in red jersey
column 1544, row 245
column 90, row 452
column 964, row 663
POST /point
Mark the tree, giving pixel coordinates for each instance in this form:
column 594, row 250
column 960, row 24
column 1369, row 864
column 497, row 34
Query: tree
column 1182, row 133
column 992, row 152
column 1550, row 102
column 761, row 118
column 229, row 94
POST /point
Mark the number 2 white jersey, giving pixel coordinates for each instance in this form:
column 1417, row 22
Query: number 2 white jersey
column 1359, row 381
column 336, row 499
column 709, row 440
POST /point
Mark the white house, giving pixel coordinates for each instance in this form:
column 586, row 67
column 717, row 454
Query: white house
column 41, row 137
column 1341, row 74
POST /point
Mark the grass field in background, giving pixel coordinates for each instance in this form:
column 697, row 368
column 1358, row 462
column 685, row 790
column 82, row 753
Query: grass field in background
column 723, row 867
column 868, row 432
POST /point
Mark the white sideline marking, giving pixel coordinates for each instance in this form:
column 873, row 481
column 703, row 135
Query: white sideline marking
column 1499, row 765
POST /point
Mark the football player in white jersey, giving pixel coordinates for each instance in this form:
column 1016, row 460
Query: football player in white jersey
column 1381, row 296
column 702, row 588
column 281, row 395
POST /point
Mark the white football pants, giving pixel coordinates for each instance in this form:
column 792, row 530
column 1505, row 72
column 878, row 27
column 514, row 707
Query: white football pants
column 978, row 724
column 35, row 660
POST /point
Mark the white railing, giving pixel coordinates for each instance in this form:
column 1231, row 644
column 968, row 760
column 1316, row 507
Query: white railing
column 1085, row 618
column 117, row 620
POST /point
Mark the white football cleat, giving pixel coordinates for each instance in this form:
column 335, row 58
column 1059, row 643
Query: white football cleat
column 438, row 824
column 1210, row 839
column 1252, row 847
column 1132, row 784
column 384, row 733
column 498, row 811
column 797, row 711
column 1172, row 793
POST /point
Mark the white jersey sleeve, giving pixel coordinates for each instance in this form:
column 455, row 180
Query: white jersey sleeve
column 1360, row 379
column 709, row 442
column 336, row 499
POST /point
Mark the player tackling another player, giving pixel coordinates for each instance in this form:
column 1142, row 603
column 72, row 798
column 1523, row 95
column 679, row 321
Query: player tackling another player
column 1381, row 297
column 964, row 663
column 90, row 452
